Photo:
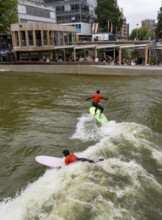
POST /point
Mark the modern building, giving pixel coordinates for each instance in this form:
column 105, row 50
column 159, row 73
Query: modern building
column 37, row 41
column 76, row 13
column 29, row 11
column 92, row 15
column 123, row 34
column 32, row 11
column 38, row 1
column 150, row 23
column 37, row 36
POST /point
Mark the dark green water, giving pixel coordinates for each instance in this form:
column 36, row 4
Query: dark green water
column 44, row 113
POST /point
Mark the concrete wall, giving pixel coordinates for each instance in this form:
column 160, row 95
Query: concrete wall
column 84, row 69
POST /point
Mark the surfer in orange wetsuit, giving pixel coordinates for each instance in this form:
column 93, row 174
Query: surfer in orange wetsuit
column 71, row 158
column 96, row 99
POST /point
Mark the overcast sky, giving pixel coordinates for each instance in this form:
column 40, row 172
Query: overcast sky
column 137, row 10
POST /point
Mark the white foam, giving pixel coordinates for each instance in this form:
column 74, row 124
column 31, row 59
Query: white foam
column 88, row 130
column 157, row 156
column 38, row 196
column 5, row 70
column 84, row 187
column 79, row 187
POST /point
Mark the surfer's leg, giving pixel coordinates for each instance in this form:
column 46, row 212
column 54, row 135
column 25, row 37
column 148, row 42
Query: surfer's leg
column 101, row 108
column 96, row 106
column 85, row 160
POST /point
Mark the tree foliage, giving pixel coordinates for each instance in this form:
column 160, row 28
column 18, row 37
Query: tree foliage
column 8, row 14
column 134, row 54
column 142, row 33
column 158, row 30
column 108, row 10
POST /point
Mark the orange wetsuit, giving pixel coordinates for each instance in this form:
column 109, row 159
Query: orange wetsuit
column 71, row 158
column 97, row 97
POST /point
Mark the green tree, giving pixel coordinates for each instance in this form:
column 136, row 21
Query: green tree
column 158, row 30
column 134, row 54
column 142, row 33
column 108, row 11
column 153, row 60
column 125, row 53
column 8, row 14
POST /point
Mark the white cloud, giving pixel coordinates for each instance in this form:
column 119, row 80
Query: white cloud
column 137, row 10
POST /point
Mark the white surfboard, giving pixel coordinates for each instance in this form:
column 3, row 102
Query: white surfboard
column 54, row 162
column 101, row 119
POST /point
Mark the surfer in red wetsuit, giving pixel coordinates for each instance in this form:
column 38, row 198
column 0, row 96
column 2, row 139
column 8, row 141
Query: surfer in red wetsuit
column 71, row 158
column 96, row 99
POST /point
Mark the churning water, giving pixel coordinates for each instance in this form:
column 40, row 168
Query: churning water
column 44, row 114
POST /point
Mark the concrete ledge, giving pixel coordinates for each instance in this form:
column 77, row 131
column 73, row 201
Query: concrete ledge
column 81, row 69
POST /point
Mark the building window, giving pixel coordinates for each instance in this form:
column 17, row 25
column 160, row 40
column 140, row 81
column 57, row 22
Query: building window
column 77, row 18
column 75, row 7
column 73, row 38
column 85, row 18
column 67, row 7
column 59, row 8
column 51, row 37
column 78, row 28
column 85, row 8
column 38, row 38
column 30, row 38
column 45, row 42
column 23, row 21
column 56, row 38
column 39, row 12
column 61, row 38
column 16, row 38
column 70, row 38
column 23, row 38
column 66, row 38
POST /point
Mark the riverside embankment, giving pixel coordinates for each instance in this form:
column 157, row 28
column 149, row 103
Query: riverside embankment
column 83, row 69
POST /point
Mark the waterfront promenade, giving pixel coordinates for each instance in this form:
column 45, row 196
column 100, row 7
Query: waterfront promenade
column 84, row 69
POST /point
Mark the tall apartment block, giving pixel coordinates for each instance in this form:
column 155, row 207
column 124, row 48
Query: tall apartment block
column 123, row 34
column 150, row 23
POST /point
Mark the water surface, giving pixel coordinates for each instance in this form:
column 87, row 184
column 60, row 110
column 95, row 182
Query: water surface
column 42, row 114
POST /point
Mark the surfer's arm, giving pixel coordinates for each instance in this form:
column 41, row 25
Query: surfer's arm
column 106, row 98
column 87, row 99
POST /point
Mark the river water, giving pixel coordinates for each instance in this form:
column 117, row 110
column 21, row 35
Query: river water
column 42, row 114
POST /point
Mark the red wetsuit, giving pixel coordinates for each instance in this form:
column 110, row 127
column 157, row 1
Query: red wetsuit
column 71, row 158
column 97, row 97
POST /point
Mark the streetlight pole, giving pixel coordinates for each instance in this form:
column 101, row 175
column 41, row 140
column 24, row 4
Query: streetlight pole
column 137, row 32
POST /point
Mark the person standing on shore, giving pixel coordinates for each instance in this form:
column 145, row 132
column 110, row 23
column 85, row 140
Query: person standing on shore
column 95, row 101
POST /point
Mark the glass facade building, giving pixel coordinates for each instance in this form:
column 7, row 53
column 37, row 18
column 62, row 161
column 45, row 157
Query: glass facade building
column 70, row 11
column 74, row 13
column 39, row 12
